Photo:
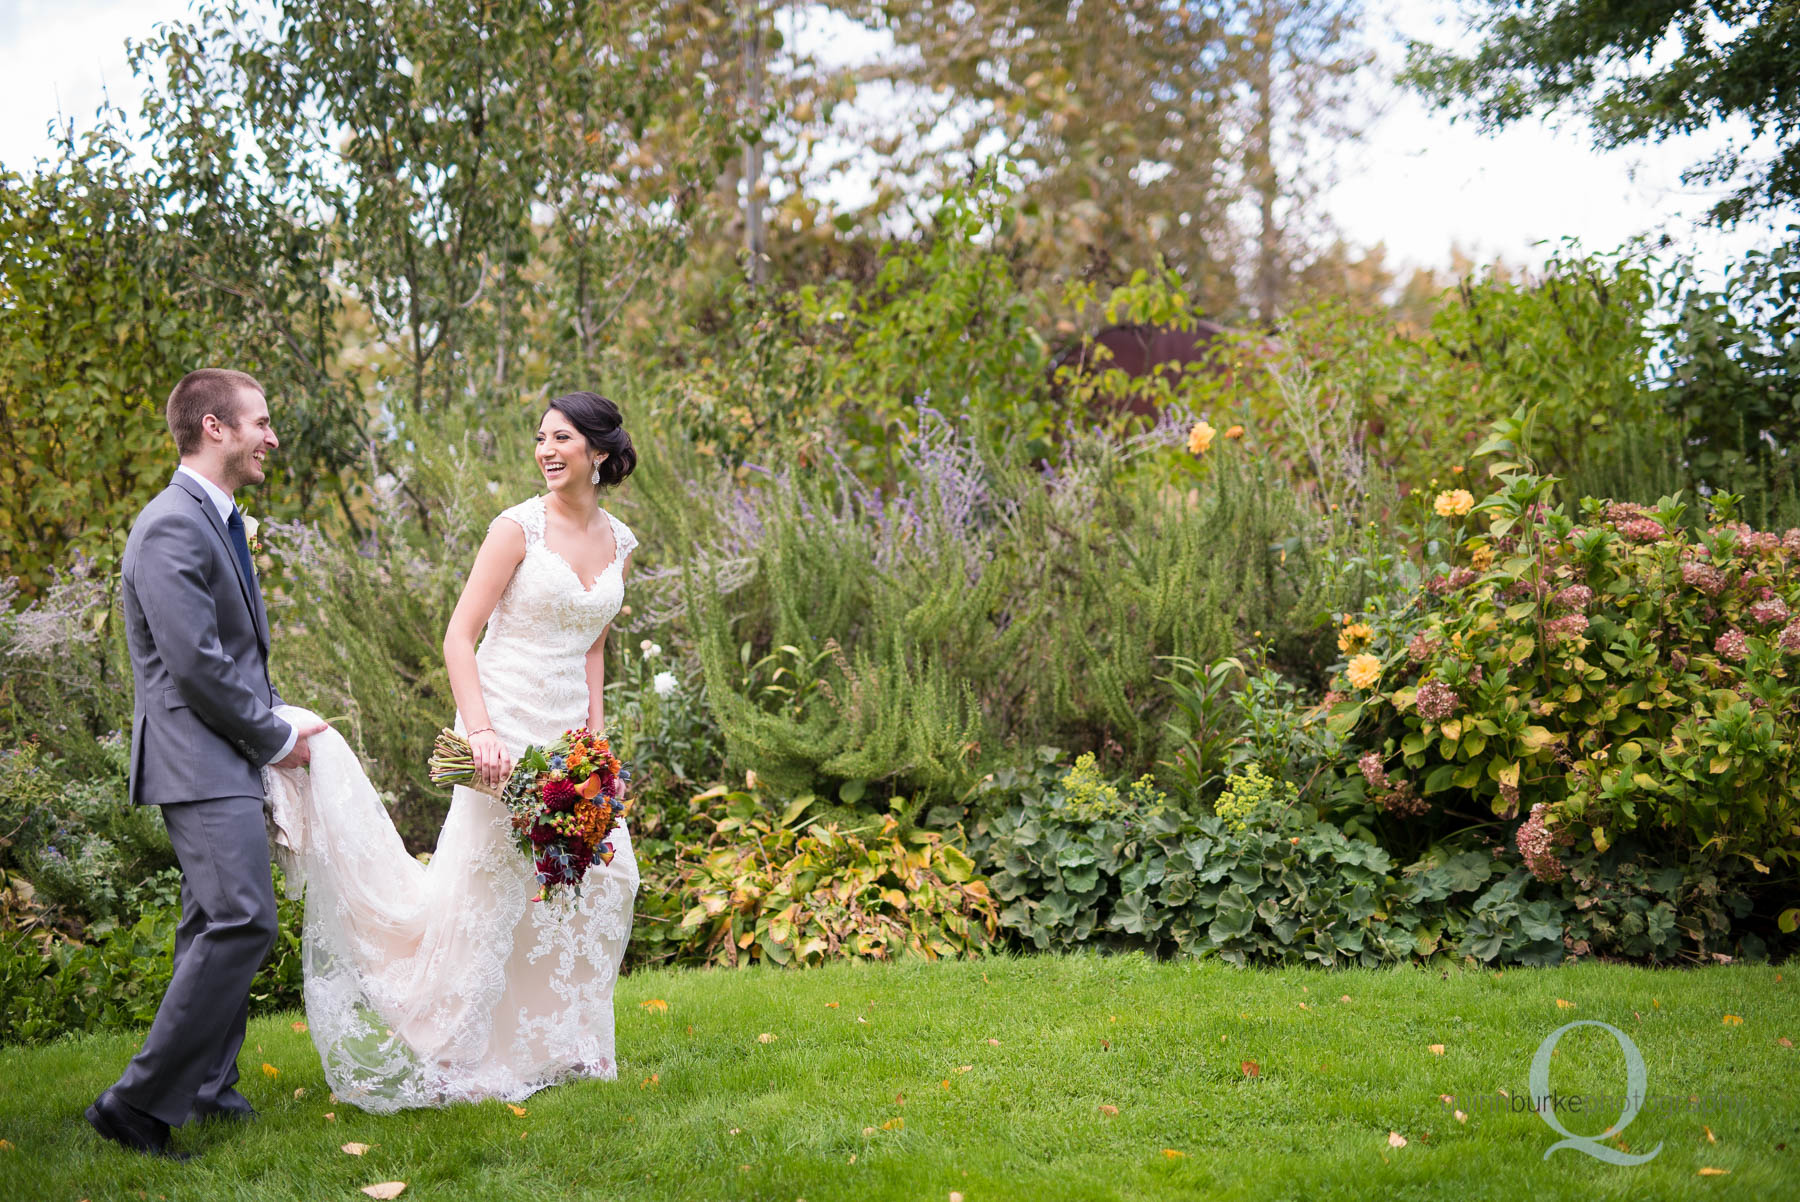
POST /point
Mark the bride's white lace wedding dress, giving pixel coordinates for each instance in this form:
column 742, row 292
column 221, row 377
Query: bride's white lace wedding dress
column 444, row 982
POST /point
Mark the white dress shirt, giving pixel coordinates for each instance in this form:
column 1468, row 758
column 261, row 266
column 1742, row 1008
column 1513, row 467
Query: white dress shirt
column 223, row 503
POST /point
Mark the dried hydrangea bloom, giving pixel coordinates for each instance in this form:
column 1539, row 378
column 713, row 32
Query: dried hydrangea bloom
column 1732, row 645
column 1436, row 701
column 1704, row 577
column 1576, row 596
column 1535, row 844
column 1769, row 611
column 1566, row 627
column 1372, row 770
column 1402, row 802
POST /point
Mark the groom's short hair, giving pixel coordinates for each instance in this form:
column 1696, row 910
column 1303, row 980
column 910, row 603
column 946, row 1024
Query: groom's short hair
column 214, row 390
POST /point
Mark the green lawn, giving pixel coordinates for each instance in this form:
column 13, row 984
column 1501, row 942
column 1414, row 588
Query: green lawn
column 991, row 1079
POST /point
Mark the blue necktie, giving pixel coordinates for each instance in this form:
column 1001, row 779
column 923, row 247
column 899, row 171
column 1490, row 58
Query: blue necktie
column 234, row 526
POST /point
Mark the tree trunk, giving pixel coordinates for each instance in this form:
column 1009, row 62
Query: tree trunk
column 755, row 239
column 1261, row 161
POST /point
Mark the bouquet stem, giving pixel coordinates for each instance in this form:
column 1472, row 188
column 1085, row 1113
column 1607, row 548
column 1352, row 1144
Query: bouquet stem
column 453, row 763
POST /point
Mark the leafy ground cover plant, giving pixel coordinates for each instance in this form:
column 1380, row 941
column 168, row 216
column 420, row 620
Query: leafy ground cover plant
column 787, row 891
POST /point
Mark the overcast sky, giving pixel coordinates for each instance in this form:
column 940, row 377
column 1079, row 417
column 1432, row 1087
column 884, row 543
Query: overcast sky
column 1416, row 183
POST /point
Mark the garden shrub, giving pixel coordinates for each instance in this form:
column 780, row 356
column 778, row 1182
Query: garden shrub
column 1271, row 884
column 782, row 891
column 116, row 980
column 1598, row 678
column 911, row 637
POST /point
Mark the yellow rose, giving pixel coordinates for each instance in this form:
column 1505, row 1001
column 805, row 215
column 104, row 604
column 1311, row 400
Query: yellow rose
column 1364, row 671
column 1354, row 635
column 1454, row 503
column 1201, row 437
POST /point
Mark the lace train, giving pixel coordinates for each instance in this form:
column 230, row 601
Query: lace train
column 428, row 984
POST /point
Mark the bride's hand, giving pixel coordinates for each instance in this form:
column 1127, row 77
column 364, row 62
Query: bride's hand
column 491, row 761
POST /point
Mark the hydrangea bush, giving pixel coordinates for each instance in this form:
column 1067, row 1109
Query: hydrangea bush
column 1592, row 678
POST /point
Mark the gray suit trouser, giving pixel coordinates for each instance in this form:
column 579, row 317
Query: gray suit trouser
column 228, row 925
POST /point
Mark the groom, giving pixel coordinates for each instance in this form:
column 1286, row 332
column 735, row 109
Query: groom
column 201, row 731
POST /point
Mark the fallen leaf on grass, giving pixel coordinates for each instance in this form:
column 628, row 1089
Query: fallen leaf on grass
column 1345, row 998
column 765, row 1037
column 1732, row 1020
column 1437, row 1049
column 955, row 1196
column 868, row 1131
column 655, row 1005
column 1504, row 1094
column 831, row 1005
column 270, row 1070
column 963, row 1068
column 330, row 1117
column 385, row 1189
column 300, row 1026
column 1304, row 1006
column 1396, row 1140
column 1109, row 1111
column 299, row 1093
column 647, row 1082
column 1445, row 1098
column 894, row 1124
column 354, row 1149
column 1564, row 1004
column 1710, row 1137
column 1251, row 1068
column 899, row 1099
column 1784, row 1041
column 946, row 1083
column 861, row 1019
column 737, row 1130
column 1172, row 1154
column 1709, row 1171
column 993, row 1043
column 1461, row 1117
column 518, row 1110
column 6, row 1145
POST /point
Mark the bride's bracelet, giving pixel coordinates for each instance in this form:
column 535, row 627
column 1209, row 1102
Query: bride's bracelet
column 486, row 730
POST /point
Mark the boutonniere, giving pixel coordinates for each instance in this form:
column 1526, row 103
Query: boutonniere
column 251, row 526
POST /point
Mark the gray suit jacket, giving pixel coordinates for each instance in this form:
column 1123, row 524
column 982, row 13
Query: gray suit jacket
column 201, row 722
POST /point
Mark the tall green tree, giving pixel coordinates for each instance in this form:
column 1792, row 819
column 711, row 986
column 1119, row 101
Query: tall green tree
column 1640, row 72
column 490, row 180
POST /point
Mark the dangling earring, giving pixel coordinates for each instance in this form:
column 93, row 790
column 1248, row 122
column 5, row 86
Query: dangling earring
column 595, row 477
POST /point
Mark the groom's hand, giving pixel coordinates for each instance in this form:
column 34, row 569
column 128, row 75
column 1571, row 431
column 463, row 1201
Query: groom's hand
column 301, row 755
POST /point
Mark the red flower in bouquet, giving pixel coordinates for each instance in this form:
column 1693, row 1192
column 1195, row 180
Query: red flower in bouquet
column 560, row 796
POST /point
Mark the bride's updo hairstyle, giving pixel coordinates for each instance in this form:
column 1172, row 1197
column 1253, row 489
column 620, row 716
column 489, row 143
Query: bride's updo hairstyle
column 601, row 423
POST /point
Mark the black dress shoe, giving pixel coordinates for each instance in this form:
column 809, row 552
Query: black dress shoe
column 130, row 1127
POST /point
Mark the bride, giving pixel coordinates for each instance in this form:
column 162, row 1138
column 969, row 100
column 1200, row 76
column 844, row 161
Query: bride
column 428, row 984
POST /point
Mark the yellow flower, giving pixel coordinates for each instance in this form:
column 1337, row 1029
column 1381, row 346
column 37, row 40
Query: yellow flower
column 1201, row 437
column 1364, row 671
column 1355, row 635
column 1234, row 432
column 1454, row 503
column 1482, row 558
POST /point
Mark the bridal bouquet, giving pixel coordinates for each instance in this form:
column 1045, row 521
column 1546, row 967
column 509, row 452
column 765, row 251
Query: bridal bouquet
column 564, row 799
